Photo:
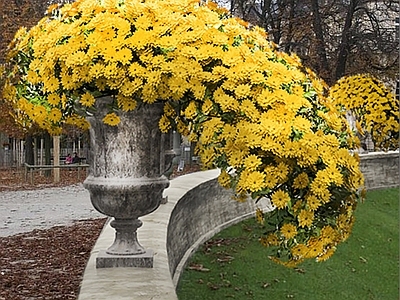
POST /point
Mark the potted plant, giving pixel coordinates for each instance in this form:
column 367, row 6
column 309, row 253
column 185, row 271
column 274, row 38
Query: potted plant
column 255, row 112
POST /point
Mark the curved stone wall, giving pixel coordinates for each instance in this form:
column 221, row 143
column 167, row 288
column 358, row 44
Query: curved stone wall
column 200, row 214
column 380, row 169
column 207, row 209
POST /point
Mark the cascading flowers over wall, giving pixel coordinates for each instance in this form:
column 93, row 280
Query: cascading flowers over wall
column 255, row 112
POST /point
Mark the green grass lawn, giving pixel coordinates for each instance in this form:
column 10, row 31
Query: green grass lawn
column 233, row 265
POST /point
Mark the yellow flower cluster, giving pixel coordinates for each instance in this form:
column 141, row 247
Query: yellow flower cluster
column 304, row 170
column 135, row 50
column 373, row 104
column 255, row 112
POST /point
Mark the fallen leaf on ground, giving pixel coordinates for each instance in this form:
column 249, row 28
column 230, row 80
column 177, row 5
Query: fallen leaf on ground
column 199, row 268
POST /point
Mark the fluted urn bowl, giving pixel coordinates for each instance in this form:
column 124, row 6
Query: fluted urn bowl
column 124, row 179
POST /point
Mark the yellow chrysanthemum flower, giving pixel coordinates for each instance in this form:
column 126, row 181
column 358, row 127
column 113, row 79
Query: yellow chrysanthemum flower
column 199, row 92
column 326, row 254
column 269, row 240
column 301, row 181
column 257, row 78
column 242, row 91
column 315, row 248
column 33, row 77
column 149, row 94
column 55, row 115
column 111, row 119
column 271, row 180
column 255, row 181
column 124, row 56
column 39, row 113
column 235, row 159
column 299, row 250
column 207, row 135
column 224, row 179
column 280, row 199
column 207, row 106
column 126, row 103
column 298, row 206
column 51, row 84
column 334, row 175
column 182, row 127
column 282, row 171
column 289, row 230
column 250, row 110
column 53, row 99
column 207, row 157
column 67, row 81
column 129, row 87
column 312, row 202
column 319, row 186
column 252, row 162
column 164, row 124
column 87, row 100
column 169, row 110
column 329, row 235
column 191, row 110
column 305, row 218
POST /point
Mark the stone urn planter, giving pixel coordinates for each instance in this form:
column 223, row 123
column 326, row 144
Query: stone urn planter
column 124, row 177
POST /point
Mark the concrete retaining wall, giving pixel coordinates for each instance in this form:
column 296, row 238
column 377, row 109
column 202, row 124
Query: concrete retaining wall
column 200, row 214
column 207, row 209
column 380, row 169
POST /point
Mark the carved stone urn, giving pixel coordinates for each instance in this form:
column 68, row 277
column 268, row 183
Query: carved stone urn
column 124, row 176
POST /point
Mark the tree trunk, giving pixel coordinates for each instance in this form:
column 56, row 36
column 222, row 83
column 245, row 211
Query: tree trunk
column 29, row 153
column 56, row 158
column 322, row 66
column 2, row 138
column 344, row 47
column 47, row 153
column 288, row 46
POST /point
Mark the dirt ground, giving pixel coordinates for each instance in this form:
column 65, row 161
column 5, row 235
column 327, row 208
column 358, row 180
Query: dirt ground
column 13, row 179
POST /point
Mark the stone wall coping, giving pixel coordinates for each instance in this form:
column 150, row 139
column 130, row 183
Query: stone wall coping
column 380, row 154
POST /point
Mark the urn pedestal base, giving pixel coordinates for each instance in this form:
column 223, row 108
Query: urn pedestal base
column 105, row 260
column 125, row 199
column 126, row 242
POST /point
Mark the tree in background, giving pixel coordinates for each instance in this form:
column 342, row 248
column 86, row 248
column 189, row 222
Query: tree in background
column 15, row 14
column 332, row 37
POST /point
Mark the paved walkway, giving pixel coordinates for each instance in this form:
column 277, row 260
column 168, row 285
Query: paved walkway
column 24, row 211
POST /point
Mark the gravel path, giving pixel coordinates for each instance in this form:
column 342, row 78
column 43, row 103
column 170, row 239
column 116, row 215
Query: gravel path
column 24, row 211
